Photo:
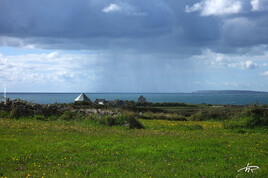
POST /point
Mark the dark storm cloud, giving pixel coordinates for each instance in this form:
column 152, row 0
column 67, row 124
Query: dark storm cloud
column 242, row 31
column 151, row 26
column 82, row 19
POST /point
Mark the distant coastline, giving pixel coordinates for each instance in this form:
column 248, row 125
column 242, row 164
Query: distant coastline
column 229, row 91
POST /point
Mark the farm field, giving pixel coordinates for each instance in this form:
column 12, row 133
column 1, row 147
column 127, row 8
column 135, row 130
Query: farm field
column 83, row 148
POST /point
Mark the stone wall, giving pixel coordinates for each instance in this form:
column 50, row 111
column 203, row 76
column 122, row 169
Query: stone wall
column 24, row 108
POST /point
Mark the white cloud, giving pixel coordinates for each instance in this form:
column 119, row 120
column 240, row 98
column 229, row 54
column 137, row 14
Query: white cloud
column 52, row 67
column 53, row 54
column 255, row 5
column 259, row 5
column 250, row 65
column 195, row 7
column 124, row 8
column 220, row 60
column 111, row 8
column 216, row 7
column 265, row 74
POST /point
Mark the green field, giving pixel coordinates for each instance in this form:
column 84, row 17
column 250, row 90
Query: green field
column 34, row 148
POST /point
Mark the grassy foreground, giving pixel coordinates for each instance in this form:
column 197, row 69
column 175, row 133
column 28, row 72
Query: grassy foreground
column 34, row 148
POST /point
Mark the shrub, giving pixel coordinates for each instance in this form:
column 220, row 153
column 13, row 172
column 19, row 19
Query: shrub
column 148, row 115
column 123, row 120
column 175, row 117
column 211, row 114
column 250, row 118
column 134, row 123
column 108, row 120
column 256, row 116
column 16, row 112
column 199, row 116
column 234, row 124
column 4, row 114
column 39, row 117
column 52, row 118
column 67, row 115
column 163, row 116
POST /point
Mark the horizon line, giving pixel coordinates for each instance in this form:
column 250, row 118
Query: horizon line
column 75, row 92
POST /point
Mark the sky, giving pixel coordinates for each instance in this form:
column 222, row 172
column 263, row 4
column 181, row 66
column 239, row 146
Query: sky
column 133, row 45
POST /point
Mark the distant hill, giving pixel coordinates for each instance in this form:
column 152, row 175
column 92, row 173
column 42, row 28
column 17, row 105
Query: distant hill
column 230, row 91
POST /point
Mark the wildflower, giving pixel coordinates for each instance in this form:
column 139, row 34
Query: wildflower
column 22, row 167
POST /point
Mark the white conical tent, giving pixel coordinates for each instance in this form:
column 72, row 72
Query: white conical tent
column 82, row 97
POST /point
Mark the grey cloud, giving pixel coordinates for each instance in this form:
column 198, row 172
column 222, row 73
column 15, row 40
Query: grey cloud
column 156, row 26
column 80, row 19
column 242, row 31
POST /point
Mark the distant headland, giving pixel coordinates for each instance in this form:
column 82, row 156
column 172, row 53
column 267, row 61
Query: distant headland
column 229, row 91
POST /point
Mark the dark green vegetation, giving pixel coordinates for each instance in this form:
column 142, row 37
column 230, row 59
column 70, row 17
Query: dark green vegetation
column 134, row 141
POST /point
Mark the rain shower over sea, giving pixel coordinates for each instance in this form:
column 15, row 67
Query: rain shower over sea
column 208, row 97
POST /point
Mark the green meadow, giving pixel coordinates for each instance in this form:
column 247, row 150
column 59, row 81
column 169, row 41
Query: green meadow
column 163, row 148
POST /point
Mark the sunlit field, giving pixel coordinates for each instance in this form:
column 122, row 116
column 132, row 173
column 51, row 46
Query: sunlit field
column 82, row 148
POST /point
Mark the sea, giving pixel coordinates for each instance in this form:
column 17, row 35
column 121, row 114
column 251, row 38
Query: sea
column 218, row 97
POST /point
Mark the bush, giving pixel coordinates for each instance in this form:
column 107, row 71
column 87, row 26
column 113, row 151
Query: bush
column 108, row 120
column 123, row 120
column 250, row 118
column 175, row 117
column 163, row 116
column 234, row 124
column 4, row 114
column 134, row 123
column 16, row 112
column 199, row 116
column 148, row 115
column 211, row 114
column 52, row 118
column 68, row 115
column 256, row 117
column 39, row 117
